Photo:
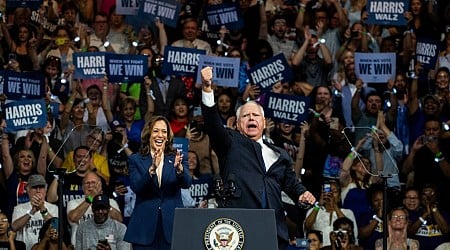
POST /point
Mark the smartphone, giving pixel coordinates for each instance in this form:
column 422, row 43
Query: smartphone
column 103, row 242
column 334, row 124
column 197, row 111
column 55, row 224
column 12, row 56
column 327, row 188
column 302, row 243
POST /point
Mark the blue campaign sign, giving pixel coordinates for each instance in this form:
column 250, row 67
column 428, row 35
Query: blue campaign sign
column 32, row 4
column 291, row 109
column 181, row 61
column 227, row 14
column 225, row 69
column 273, row 70
column 89, row 65
column 427, row 52
column 126, row 68
column 25, row 114
column 181, row 143
column 387, row 12
column 127, row 7
column 167, row 11
column 23, row 85
column 201, row 189
column 375, row 67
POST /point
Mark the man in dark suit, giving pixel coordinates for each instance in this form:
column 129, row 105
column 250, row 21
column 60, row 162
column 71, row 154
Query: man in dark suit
column 165, row 88
column 261, row 171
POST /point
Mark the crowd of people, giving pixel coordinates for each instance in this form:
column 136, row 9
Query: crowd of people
column 110, row 146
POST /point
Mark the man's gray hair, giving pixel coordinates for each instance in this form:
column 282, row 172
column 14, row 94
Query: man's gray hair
column 238, row 111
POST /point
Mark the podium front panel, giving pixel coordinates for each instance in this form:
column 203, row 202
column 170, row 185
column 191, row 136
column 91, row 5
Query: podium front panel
column 224, row 228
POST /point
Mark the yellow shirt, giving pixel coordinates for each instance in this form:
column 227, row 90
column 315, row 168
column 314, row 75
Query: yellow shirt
column 99, row 161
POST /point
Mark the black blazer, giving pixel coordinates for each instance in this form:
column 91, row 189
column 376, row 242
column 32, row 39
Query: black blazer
column 242, row 157
column 176, row 89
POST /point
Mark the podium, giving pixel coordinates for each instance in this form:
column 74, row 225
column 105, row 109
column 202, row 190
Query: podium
column 224, row 228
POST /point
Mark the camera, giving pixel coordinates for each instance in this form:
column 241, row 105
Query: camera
column 327, row 188
column 302, row 243
column 12, row 56
column 426, row 139
column 340, row 234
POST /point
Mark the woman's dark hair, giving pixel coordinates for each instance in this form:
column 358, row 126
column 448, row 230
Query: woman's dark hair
column 53, row 61
column 62, row 27
column 366, row 178
column 16, row 36
column 197, row 167
column 172, row 105
column 318, row 233
column 46, row 226
column 147, row 131
column 95, row 86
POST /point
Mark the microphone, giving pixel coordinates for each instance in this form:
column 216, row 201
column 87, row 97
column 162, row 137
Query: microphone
column 231, row 184
column 217, row 185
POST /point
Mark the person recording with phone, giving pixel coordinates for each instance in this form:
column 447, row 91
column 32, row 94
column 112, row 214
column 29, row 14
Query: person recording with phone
column 101, row 232
column 157, row 173
column 48, row 237
column 342, row 236
column 428, row 160
column 263, row 170
column 7, row 236
column 328, row 210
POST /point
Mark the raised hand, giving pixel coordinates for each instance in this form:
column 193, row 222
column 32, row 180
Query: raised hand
column 207, row 75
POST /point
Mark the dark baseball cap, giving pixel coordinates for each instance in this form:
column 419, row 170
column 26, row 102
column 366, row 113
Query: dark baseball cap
column 117, row 124
column 100, row 201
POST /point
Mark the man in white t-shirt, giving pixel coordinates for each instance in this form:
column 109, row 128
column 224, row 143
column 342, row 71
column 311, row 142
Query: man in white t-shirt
column 80, row 210
column 28, row 218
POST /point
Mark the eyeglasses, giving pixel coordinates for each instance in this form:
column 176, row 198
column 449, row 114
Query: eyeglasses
column 54, row 58
column 101, row 22
column 93, row 94
column 90, row 183
column 398, row 217
column 412, row 197
column 96, row 140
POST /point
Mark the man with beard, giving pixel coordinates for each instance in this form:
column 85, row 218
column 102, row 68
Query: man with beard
column 278, row 40
column 101, row 232
column 164, row 88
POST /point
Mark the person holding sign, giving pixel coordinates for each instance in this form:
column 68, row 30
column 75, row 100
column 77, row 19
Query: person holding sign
column 264, row 170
